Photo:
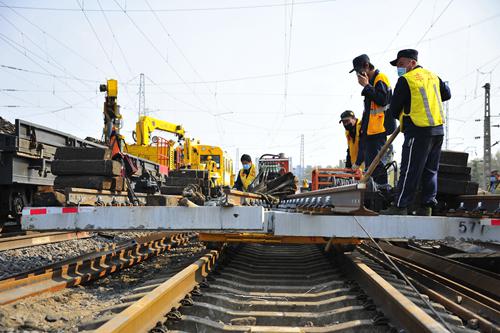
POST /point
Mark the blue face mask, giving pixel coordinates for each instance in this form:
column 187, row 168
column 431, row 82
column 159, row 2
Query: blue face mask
column 246, row 166
column 401, row 71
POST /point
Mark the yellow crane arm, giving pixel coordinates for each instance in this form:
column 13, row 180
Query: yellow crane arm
column 146, row 125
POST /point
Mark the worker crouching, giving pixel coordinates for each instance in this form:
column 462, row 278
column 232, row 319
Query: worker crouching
column 246, row 175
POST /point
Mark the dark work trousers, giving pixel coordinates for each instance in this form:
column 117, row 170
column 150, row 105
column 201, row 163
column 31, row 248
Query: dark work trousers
column 419, row 166
column 373, row 144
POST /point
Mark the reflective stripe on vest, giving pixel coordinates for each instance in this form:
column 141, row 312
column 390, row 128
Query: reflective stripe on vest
column 246, row 180
column 377, row 112
column 426, row 108
column 353, row 144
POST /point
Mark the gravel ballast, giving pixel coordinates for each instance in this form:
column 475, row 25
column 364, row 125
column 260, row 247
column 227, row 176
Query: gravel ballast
column 20, row 260
column 65, row 310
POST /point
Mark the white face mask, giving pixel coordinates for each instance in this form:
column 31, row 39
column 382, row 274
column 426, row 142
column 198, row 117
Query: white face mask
column 401, row 71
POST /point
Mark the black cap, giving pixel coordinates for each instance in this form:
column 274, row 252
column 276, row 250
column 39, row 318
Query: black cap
column 408, row 53
column 359, row 62
column 245, row 158
column 346, row 114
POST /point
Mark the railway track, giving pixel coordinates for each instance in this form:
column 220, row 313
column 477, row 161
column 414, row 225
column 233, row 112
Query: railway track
column 20, row 241
column 278, row 288
column 90, row 266
column 470, row 292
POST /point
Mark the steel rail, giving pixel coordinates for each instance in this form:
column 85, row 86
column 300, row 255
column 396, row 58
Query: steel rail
column 443, row 291
column 88, row 267
column 347, row 199
column 152, row 308
column 145, row 313
column 17, row 242
column 468, row 276
column 394, row 304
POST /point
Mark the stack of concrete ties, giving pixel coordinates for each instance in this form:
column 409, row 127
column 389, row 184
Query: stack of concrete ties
column 90, row 168
column 454, row 176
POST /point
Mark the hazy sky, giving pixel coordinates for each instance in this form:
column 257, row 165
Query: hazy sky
column 219, row 67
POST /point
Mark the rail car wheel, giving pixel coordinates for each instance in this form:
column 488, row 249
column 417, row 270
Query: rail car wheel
column 18, row 203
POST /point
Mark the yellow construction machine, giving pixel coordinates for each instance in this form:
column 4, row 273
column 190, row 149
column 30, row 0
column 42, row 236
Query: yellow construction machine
column 187, row 161
column 155, row 149
column 188, row 154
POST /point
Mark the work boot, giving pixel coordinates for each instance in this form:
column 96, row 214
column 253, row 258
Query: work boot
column 393, row 210
column 424, row 211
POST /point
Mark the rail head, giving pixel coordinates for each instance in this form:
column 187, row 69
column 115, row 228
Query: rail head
column 145, row 313
column 393, row 303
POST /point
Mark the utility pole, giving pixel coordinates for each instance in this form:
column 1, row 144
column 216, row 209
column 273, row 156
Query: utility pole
column 447, row 123
column 302, row 156
column 487, row 137
column 142, row 96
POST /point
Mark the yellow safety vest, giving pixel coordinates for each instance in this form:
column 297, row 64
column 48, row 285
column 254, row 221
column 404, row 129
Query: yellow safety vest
column 377, row 112
column 353, row 144
column 246, row 180
column 426, row 108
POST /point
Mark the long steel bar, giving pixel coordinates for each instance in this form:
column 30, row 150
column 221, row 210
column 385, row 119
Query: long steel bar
column 257, row 220
column 145, row 313
column 441, row 290
column 461, row 273
column 99, row 264
column 387, row 227
column 145, row 218
column 394, row 304
column 39, row 239
column 347, row 199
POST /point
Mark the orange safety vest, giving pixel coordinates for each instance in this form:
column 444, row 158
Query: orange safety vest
column 377, row 112
column 246, row 180
column 353, row 144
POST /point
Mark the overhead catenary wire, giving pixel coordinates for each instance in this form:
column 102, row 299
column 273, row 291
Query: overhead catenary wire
column 146, row 37
column 288, row 56
column 12, row 44
column 434, row 22
column 403, row 25
column 54, row 62
column 260, row 76
column 20, row 48
column 312, row 2
column 184, row 56
column 64, row 45
column 115, row 38
column 72, row 106
column 53, row 75
column 108, row 57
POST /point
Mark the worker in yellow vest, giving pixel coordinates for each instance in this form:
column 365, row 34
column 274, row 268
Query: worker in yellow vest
column 352, row 128
column 375, row 126
column 246, row 175
column 417, row 103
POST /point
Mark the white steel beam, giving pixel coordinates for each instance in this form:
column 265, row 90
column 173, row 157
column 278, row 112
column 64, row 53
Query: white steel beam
column 384, row 226
column 255, row 219
column 144, row 218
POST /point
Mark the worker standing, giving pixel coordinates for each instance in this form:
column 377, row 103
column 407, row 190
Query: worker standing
column 374, row 125
column 417, row 103
column 352, row 128
column 246, row 175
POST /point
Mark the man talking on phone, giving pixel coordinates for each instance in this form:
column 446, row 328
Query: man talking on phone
column 375, row 126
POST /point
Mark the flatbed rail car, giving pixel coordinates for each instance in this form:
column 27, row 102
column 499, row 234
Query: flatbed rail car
column 25, row 158
column 25, row 164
